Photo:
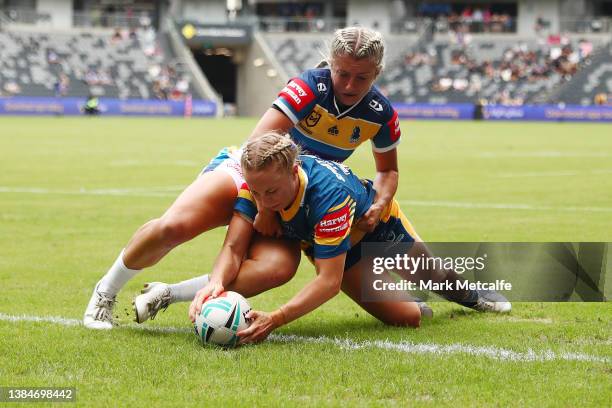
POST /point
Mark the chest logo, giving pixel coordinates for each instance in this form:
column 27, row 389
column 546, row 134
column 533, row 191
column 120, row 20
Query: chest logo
column 321, row 87
column 333, row 130
column 313, row 119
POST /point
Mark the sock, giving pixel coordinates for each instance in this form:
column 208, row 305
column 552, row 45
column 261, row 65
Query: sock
column 186, row 290
column 117, row 276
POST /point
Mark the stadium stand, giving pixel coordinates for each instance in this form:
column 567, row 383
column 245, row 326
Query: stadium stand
column 503, row 69
column 116, row 63
column 595, row 78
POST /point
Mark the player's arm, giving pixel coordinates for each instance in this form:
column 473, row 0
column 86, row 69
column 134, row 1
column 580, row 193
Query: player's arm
column 235, row 247
column 294, row 102
column 228, row 262
column 385, row 184
column 325, row 286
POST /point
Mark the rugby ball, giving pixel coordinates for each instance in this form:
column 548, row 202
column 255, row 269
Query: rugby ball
column 221, row 319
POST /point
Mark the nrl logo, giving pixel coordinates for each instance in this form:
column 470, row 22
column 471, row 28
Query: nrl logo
column 376, row 105
column 321, row 87
column 313, row 119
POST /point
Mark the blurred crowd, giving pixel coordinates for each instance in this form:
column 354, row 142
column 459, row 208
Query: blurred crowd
column 479, row 20
column 166, row 82
column 517, row 63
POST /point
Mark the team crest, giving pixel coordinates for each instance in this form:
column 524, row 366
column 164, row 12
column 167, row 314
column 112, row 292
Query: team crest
column 321, row 87
column 355, row 135
column 313, row 119
column 333, row 130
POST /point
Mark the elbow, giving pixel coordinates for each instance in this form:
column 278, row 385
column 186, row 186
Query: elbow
column 334, row 287
column 330, row 287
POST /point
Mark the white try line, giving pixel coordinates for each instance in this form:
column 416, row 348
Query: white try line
column 172, row 191
column 408, row 347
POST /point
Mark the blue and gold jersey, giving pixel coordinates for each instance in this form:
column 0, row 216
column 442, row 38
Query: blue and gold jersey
column 320, row 129
column 330, row 197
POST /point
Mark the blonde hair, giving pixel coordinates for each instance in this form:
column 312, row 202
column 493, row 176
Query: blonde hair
column 271, row 147
column 359, row 43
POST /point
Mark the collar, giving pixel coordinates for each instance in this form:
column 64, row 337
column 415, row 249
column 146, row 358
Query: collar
column 289, row 213
column 350, row 108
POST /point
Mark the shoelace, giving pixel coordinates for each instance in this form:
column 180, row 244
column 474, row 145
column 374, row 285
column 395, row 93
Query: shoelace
column 161, row 301
column 483, row 303
column 104, row 307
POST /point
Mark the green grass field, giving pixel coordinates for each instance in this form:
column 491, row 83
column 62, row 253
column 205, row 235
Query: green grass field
column 72, row 192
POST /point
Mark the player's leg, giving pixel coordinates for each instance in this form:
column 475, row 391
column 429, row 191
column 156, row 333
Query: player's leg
column 205, row 204
column 396, row 313
column 270, row 262
column 484, row 300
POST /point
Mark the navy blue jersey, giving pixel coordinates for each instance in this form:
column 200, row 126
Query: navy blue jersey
column 322, row 130
column 330, row 197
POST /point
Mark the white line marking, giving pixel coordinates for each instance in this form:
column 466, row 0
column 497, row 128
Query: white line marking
column 491, row 352
column 501, row 206
column 543, row 154
column 132, row 163
column 134, row 192
column 554, row 173
column 172, row 191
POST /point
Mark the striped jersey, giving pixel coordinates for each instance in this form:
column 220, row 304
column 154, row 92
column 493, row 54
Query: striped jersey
column 329, row 199
column 320, row 129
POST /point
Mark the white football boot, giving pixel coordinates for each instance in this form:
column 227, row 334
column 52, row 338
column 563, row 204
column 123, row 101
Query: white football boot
column 155, row 296
column 491, row 301
column 99, row 312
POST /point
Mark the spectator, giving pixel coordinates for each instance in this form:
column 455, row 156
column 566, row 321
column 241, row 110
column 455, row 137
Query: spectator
column 477, row 21
column 52, row 57
column 12, row 88
column 60, row 88
column 117, row 37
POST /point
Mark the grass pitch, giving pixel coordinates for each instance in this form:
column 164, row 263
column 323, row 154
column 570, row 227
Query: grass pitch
column 72, row 192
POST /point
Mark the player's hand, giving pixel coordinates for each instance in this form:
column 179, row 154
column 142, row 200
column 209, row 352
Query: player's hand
column 261, row 326
column 266, row 223
column 211, row 290
column 371, row 218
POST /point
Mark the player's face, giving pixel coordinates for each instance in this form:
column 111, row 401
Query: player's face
column 274, row 189
column 352, row 78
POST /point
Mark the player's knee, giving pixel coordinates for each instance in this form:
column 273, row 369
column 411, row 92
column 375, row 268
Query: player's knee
column 408, row 318
column 281, row 270
column 173, row 231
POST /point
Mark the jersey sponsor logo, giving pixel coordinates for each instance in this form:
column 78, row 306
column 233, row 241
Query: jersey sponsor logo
column 355, row 135
column 321, row 87
column 394, row 127
column 333, row 130
column 374, row 104
column 335, row 224
column 313, row 119
column 297, row 93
